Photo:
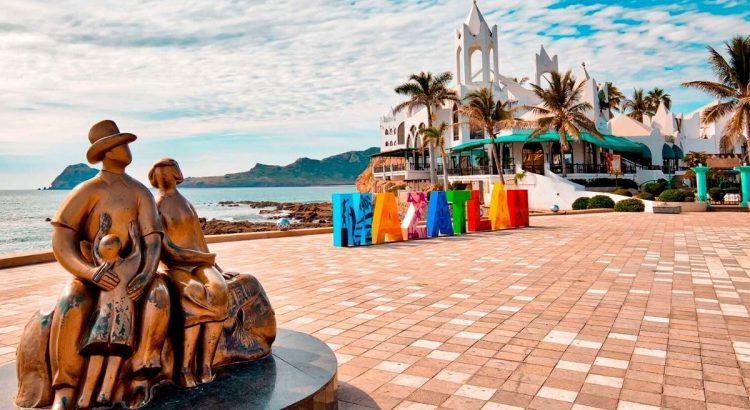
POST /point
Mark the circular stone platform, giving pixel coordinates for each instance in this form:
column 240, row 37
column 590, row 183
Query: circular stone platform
column 299, row 374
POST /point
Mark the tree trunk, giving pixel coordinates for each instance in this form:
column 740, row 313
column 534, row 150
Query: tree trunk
column 433, row 164
column 495, row 160
column 564, row 166
column 431, row 146
column 446, row 182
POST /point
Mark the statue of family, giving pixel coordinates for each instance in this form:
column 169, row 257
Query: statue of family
column 147, row 303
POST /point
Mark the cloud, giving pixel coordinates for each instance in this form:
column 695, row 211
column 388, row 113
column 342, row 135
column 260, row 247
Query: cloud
column 314, row 74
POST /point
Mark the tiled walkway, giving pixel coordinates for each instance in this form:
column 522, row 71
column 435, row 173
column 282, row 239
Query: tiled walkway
column 589, row 311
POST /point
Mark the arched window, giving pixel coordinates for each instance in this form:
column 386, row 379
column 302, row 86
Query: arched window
column 400, row 137
column 455, row 122
column 475, row 67
column 533, row 157
column 477, row 133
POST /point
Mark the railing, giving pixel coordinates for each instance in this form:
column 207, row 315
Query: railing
column 727, row 199
column 463, row 171
column 399, row 168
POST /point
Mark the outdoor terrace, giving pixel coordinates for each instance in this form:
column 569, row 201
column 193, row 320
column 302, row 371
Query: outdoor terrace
column 580, row 311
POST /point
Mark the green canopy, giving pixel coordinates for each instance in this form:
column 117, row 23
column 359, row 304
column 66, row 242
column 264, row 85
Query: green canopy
column 671, row 152
column 607, row 141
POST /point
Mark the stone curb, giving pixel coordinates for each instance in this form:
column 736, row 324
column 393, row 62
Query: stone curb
column 33, row 258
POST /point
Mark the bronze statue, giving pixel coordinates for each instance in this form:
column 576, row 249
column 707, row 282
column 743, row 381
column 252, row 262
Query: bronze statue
column 116, row 313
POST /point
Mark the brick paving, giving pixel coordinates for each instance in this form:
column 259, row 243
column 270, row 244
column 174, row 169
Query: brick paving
column 610, row 311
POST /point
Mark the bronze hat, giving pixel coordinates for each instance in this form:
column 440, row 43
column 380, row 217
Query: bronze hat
column 104, row 136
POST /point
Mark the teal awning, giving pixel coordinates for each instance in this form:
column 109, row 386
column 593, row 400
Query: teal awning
column 472, row 144
column 607, row 141
column 671, row 152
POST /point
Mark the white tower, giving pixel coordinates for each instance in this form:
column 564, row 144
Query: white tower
column 545, row 65
column 475, row 36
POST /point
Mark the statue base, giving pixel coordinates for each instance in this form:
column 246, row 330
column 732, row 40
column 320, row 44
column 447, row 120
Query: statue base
column 300, row 373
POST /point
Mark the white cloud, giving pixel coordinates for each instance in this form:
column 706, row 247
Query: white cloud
column 296, row 69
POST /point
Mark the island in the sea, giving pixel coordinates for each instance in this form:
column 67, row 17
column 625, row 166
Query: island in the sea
column 341, row 169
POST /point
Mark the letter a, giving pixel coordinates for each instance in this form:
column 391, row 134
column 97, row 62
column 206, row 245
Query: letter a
column 385, row 224
column 499, row 214
column 438, row 215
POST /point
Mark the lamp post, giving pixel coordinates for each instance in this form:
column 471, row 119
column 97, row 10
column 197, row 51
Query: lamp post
column 744, row 170
column 700, row 182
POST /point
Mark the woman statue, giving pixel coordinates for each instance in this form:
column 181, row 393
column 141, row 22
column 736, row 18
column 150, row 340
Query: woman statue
column 199, row 283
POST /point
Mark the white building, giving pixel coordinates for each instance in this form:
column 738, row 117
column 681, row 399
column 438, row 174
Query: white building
column 650, row 150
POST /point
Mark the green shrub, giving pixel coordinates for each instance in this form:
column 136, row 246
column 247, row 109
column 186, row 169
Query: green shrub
column 606, row 182
column 717, row 194
column 672, row 195
column 654, row 188
column 623, row 192
column 690, row 198
column 601, row 201
column 630, row 205
column 581, row 203
column 646, row 196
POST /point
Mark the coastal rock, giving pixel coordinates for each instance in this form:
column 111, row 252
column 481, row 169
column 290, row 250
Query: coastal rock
column 339, row 169
column 73, row 175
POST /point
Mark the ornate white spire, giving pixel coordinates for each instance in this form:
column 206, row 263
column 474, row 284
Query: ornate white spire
column 475, row 19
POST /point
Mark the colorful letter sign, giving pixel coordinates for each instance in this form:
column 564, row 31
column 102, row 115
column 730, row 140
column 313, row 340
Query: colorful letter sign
column 458, row 201
column 417, row 210
column 473, row 215
column 439, row 215
column 358, row 220
column 386, row 226
column 499, row 215
column 352, row 219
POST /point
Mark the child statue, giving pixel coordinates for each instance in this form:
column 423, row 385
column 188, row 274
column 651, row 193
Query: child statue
column 111, row 331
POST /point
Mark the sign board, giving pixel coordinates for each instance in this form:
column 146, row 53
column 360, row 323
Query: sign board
column 615, row 167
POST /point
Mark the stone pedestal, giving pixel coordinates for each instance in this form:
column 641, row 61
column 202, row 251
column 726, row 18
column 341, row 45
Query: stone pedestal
column 299, row 374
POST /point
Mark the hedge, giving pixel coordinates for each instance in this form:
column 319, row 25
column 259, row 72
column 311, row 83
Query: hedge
column 581, row 203
column 606, row 182
column 646, row 196
column 630, row 205
column 623, row 192
column 601, row 201
column 672, row 195
column 654, row 188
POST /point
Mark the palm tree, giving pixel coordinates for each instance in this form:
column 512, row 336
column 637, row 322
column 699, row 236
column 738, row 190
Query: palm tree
column 434, row 136
column 732, row 91
column 639, row 106
column 656, row 97
column 613, row 101
column 491, row 116
column 520, row 80
column 562, row 112
column 429, row 91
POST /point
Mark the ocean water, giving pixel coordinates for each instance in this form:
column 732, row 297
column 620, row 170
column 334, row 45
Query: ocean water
column 22, row 213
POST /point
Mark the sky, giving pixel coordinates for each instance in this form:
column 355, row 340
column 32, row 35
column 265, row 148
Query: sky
column 225, row 84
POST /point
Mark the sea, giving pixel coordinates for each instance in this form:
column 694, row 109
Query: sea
column 23, row 213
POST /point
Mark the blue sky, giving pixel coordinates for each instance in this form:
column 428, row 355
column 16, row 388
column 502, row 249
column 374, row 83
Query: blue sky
column 223, row 85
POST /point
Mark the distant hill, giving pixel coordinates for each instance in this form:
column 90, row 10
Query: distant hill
column 339, row 169
column 73, row 175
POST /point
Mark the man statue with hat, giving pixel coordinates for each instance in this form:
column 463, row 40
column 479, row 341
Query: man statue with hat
column 114, row 196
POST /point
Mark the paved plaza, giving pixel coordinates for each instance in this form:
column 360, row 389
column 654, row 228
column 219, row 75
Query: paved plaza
column 628, row 311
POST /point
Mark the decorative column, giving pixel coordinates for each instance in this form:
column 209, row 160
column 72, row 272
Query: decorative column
column 700, row 178
column 744, row 183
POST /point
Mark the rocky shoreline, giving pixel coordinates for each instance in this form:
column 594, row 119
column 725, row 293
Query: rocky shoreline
column 301, row 216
